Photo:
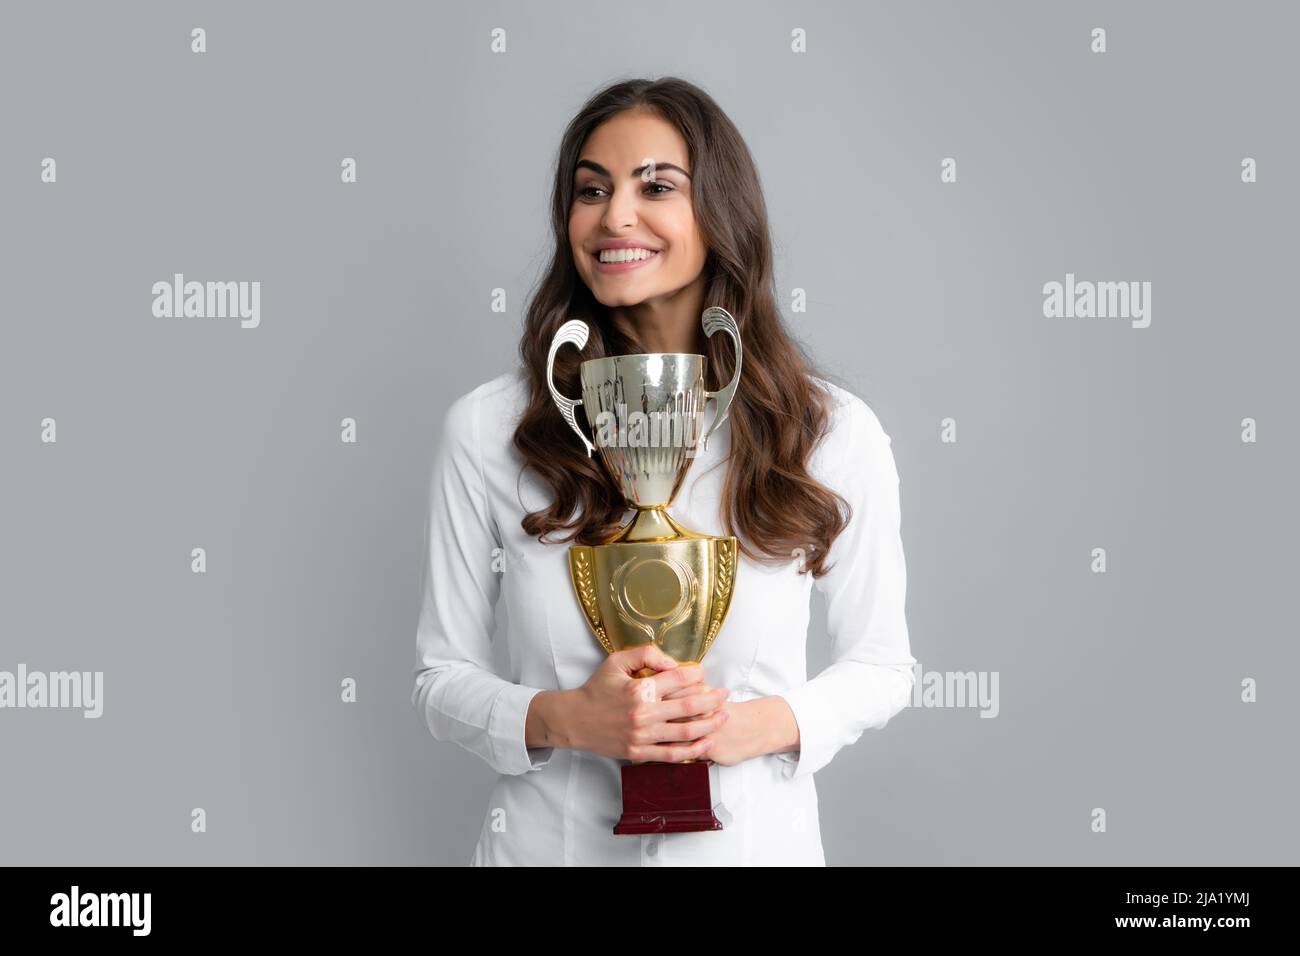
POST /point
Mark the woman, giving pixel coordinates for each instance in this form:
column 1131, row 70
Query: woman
column 809, row 488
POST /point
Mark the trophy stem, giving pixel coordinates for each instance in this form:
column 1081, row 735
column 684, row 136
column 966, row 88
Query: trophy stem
column 653, row 523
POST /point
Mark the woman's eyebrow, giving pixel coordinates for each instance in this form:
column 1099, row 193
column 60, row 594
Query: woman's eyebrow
column 602, row 171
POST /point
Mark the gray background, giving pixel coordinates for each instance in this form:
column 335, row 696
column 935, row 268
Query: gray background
column 222, row 690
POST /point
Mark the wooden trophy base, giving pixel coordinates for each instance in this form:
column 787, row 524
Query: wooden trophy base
column 667, row 798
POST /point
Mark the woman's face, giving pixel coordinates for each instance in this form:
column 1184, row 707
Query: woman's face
column 615, row 205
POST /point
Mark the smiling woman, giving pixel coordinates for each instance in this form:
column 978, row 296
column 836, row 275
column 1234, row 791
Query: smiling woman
column 658, row 216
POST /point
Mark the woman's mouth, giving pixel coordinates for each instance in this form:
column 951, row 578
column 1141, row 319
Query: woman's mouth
column 625, row 260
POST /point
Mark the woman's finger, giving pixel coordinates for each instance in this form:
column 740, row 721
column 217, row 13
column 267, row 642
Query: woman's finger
column 689, row 691
column 696, row 705
column 674, row 732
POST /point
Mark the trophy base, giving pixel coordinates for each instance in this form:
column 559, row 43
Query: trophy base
column 667, row 798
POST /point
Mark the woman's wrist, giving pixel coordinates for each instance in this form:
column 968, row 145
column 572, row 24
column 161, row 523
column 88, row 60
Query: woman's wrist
column 550, row 722
column 780, row 730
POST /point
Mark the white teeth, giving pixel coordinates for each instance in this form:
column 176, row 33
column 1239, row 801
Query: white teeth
column 624, row 255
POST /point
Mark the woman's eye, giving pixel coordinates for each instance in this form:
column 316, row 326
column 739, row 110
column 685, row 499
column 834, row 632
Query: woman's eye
column 586, row 191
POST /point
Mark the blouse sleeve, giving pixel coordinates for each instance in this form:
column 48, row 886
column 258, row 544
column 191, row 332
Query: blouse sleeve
column 871, row 675
column 456, row 690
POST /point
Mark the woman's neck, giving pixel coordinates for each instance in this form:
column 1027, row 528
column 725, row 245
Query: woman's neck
column 667, row 323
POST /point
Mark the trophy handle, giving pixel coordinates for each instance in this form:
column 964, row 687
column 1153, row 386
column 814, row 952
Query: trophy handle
column 715, row 318
column 575, row 331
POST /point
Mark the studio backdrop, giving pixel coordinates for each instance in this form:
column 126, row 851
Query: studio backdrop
column 1051, row 245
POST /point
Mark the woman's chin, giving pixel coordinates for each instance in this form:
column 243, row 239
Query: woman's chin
column 612, row 298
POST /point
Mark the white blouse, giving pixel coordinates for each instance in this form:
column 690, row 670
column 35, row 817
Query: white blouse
column 554, row 807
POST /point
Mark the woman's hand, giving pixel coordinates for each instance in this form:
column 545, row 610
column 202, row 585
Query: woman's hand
column 737, row 738
column 647, row 718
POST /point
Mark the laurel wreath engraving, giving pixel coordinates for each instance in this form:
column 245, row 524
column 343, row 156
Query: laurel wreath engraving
column 586, row 588
column 722, row 584
column 686, row 600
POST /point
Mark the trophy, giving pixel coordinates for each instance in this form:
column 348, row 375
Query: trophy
column 653, row 580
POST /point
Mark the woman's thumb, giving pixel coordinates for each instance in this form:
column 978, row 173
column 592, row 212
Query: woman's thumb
column 647, row 659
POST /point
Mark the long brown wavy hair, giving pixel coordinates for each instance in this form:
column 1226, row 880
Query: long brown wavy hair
column 770, row 502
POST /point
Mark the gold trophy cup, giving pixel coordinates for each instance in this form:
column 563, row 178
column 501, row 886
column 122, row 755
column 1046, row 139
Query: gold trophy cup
column 653, row 580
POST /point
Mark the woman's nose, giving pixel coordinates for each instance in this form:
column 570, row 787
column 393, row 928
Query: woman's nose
column 621, row 210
